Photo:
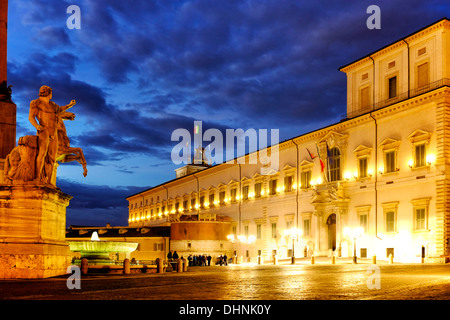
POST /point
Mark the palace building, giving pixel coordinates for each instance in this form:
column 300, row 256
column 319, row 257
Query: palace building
column 377, row 183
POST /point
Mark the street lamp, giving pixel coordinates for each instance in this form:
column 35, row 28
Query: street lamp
column 293, row 233
column 354, row 233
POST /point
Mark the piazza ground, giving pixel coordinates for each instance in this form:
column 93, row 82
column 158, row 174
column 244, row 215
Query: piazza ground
column 303, row 281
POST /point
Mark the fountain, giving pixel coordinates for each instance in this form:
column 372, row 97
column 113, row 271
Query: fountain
column 98, row 251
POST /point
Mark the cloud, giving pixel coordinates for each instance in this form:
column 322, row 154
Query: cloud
column 96, row 204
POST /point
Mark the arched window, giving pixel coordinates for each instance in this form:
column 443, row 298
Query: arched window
column 334, row 164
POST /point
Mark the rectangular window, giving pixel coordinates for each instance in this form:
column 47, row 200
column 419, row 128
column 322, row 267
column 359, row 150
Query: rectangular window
column 364, row 98
column 211, row 200
column 422, row 75
column 258, row 190
column 185, row 205
column 390, row 161
column 245, row 192
column 307, row 227
column 202, row 201
column 233, row 194
column 234, row 230
column 288, row 225
column 273, row 187
column 305, row 179
column 363, row 168
column 258, row 231
column 274, row 230
column 392, row 87
column 193, row 203
column 420, row 221
column 390, row 221
column 222, row 197
column 420, row 156
column 288, row 182
column 363, row 222
column 246, row 231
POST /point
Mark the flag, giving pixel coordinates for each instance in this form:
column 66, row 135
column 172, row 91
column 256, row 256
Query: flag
column 330, row 157
column 322, row 165
column 310, row 154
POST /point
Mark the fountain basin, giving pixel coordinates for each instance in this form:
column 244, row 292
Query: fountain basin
column 101, row 249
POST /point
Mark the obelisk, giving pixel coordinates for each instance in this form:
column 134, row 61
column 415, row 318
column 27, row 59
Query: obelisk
column 7, row 107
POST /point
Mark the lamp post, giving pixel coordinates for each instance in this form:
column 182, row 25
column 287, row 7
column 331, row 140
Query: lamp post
column 293, row 233
column 354, row 233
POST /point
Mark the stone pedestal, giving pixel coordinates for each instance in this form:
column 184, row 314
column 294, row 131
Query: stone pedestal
column 32, row 232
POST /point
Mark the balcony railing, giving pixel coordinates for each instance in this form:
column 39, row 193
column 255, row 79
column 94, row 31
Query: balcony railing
column 400, row 97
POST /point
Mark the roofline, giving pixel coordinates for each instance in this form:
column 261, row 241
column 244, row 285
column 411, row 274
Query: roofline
column 247, row 154
column 392, row 43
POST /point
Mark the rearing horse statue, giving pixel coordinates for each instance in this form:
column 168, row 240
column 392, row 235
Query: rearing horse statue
column 66, row 153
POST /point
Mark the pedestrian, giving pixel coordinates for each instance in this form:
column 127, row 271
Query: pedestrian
column 209, row 260
column 175, row 255
column 225, row 259
column 170, row 255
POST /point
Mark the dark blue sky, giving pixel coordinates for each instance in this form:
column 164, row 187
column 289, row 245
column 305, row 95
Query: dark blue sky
column 140, row 69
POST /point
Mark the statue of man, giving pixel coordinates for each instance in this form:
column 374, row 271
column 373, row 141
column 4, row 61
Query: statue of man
column 47, row 114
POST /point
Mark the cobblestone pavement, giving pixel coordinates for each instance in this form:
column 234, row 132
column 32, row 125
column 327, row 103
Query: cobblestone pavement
column 302, row 281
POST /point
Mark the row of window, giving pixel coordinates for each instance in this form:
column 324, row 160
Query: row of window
column 422, row 76
column 306, row 231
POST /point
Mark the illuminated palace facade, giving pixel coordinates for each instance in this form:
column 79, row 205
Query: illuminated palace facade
column 385, row 180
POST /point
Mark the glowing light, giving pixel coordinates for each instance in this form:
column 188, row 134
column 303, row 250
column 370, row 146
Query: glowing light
column 370, row 172
column 381, row 170
column 410, row 163
column 347, row 175
column 353, row 232
column 319, row 180
column 430, row 158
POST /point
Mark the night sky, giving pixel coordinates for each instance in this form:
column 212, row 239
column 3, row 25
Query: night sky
column 141, row 69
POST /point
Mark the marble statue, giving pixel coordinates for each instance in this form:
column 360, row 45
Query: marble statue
column 35, row 158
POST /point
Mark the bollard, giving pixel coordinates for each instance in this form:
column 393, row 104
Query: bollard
column 84, row 266
column 126, row 266
column 312, row 260
column 391, row 259
column 333, row 259
column 275, row 260
column 259, row 260
column 185, row 265
column 234, row 261
column 159, row 265
column 180, row 265
column 374, row 259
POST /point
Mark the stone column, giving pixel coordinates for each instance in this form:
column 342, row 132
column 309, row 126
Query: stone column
column 7, row 108
column 3, row 38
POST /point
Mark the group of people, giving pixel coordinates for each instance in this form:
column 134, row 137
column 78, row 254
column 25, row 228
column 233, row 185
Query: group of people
column 199, row 260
